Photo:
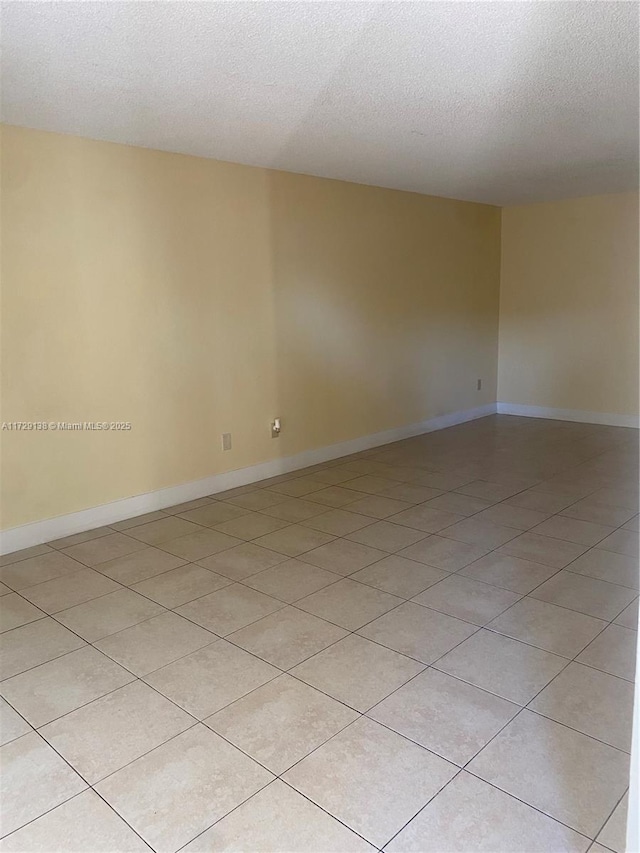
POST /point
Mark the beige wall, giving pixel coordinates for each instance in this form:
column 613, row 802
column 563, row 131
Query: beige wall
column 569, row 305
column 193, row 297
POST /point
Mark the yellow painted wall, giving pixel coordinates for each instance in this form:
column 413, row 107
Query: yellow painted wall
column 193, row 297
column 569, row 304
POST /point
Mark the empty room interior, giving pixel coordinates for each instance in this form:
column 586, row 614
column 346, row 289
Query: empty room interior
column 319, row 444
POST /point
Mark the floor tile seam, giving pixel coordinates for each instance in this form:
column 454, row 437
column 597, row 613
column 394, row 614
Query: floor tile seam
column 255, row 794
column 78, row 604
column 60, row 548
column 88, row 786
column 609, row 818
column 602, row 580
column 574, row 609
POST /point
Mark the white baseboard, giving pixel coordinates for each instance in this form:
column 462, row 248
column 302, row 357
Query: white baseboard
column 17, row 538
column 577, row 415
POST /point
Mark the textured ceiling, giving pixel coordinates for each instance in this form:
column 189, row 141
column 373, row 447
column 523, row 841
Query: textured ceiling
column 500, row 102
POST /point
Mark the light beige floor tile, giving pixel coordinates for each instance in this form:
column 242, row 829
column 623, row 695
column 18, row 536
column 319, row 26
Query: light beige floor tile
column 12, row 725
column 627, row 498
column 467, row 599
column 257, row 500
column 590, row 701
column 335, row 496
column 554, row 629
column 281, row 722
column 24, row 554
column 294, row 540
column 612, row 651
column 586, row 595
column 291, row 580
column 608, row 566
column 97, row 551
column 348, row 604
column 85, row 536
column 338, row 522
column 82, row 823
column 196, row 546
column 573, row 530
column 128, row 523
column 470, row 815
column 459, row 504
column 377, row 506
column 503, row 666
column 342, row 556
column 109, row 614
column 69, row 590
column 296, row 487
column 333, row 476
column 614, row 833
column 33, row 644
column 418, row 632
column 426, row 518
column 16, row 611
column 385, row 536
column 371, row 779
column 34, row 779
column 242, row 561
column 489, row 491
column 370, row 484
column 155, row 642
column 55, row 688
column 4, row 589
column 543, row 549
column 510, row 573
column 33, row 570
column 622, row 542
column 278, row 819
column 565, row 774
column 512, row 516
column 399, row 576
column 598, row 848
column 157, row 532
column 487, row 534
column 633, row 523
column 179, row 789
column 293, row 510
column 588, row 510
column 410, row 493
column 287, row 637
column 629, row 616
column 445, row 715
column 106, row 734
column 357, row 672
column 137, row 567
column 178, row 586
column 212, row 514
column 251, row 526
column 445, row 554
column 565, row 487
column 230, row 609
column 540, row 501
column 441, row 481
column 207, row 680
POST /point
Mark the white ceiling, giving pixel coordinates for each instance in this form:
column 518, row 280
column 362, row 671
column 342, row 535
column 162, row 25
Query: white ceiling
column 501, row 102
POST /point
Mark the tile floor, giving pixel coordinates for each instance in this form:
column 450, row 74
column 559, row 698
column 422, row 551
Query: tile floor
column 428, row 646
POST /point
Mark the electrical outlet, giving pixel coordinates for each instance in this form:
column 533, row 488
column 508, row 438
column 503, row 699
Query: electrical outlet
column 276, row 428
column 479, row 386
column 226, row 441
